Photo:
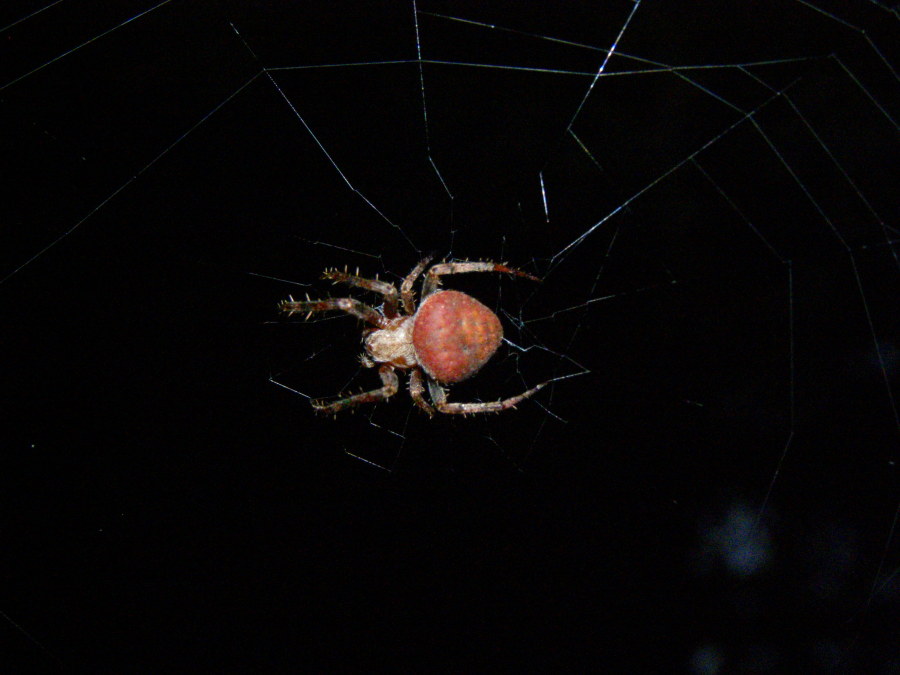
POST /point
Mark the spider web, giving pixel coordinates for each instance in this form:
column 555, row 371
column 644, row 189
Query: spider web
column 709, row 195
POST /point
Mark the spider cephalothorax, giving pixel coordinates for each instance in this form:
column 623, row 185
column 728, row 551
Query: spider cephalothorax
column 450, row 336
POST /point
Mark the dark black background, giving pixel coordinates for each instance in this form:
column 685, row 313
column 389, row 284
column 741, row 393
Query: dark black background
column 166, row 505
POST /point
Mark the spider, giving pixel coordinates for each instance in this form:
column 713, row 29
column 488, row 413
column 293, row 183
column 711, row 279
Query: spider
column 449, row 336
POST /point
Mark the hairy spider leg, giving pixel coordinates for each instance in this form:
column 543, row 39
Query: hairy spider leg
column 433, row 278
column 389, row 291
column 439, row 397
column 406, row 289
column 348, row 305
column 417, row 389
column 390, row 385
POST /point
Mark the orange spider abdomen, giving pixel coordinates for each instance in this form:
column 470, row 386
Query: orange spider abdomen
column 454, row 335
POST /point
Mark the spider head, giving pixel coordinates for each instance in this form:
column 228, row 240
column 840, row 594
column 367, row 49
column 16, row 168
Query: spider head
column 392, row 344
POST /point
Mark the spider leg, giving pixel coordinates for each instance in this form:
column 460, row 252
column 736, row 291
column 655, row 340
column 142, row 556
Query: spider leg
column 417, row 389
column 433, row 278
column 389, row 387
column 389, row 291
column 348, row 305
column 406, row 289
column 439, row 397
